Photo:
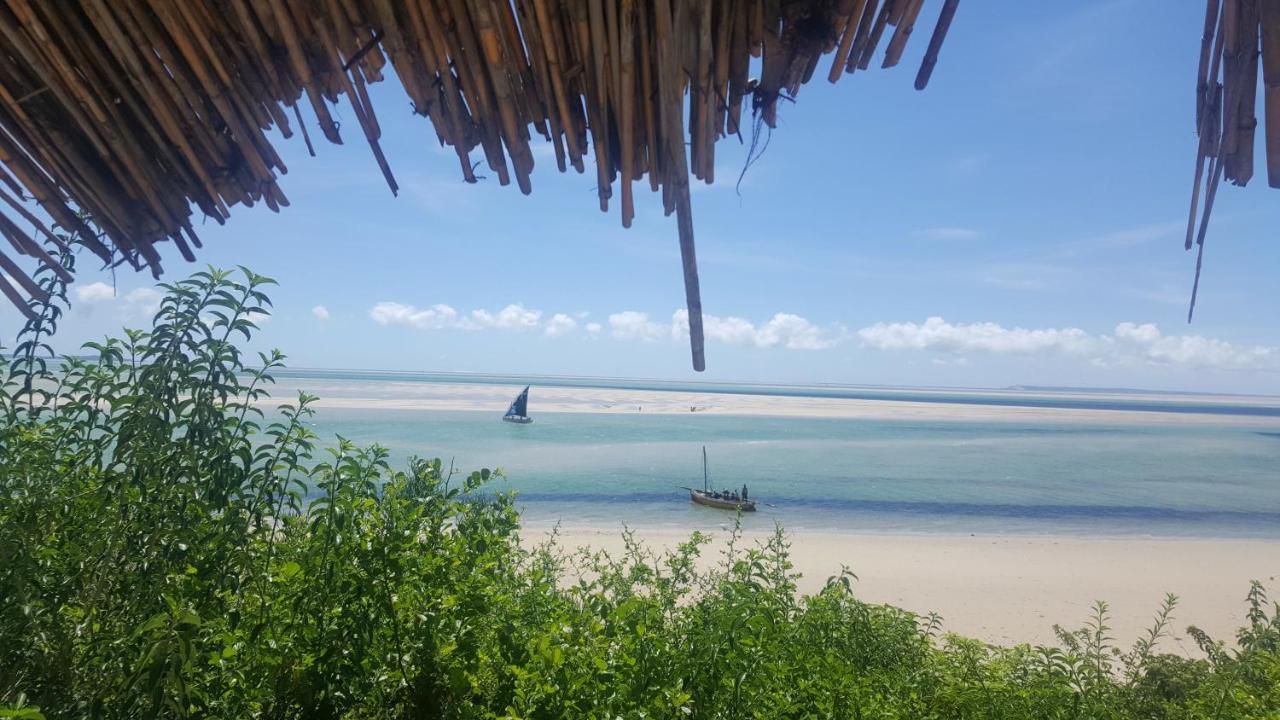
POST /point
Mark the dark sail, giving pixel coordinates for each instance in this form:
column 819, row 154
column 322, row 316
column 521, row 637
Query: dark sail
column 520, row 407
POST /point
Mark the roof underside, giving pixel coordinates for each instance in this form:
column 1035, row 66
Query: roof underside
column 135, row 113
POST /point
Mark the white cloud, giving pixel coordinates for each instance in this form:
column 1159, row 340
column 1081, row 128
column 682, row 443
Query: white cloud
column 1130, row 344
column 560, row 324
column 432, row 318
column 947, row 233
column 321, row 312
column 441, row 317
column 511, row 317
column 731, row 330
column 632, row 325
column 136, row 303
column 594, row 327
column 783, row 329
column 794, row 333
column 1149, row 344
column 938, row 334
column 144, row 300
column 95, row 292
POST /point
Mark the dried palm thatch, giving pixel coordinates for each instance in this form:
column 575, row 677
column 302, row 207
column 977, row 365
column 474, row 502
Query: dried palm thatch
column 1237, row 34
column 133, row 111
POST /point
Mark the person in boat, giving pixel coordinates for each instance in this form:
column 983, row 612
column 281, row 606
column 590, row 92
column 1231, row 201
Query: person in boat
column 744, row 492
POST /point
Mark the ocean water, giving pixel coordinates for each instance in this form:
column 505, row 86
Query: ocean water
column 1200, row 478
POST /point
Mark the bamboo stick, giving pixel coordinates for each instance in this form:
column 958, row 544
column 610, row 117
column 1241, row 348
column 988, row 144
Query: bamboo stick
column 935, row 43
column 864, row 33
column 649, row 99
column 626, row 132
column 1206, row 120
column 1269, row 13
column 16, row 298
column 552, row 46
column 1238, row 117
column 906, row 23
column 877, row 30
column 847, row 35
column 679, row 177
column 1240, row 171
column 589, row 29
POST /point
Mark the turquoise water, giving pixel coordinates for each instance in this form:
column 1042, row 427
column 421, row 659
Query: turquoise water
column 953, row 476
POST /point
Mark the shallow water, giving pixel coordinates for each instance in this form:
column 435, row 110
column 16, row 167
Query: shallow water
column 952, row 476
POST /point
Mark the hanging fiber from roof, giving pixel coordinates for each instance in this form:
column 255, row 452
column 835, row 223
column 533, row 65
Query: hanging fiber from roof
column 1237, row 33
column 134, row 111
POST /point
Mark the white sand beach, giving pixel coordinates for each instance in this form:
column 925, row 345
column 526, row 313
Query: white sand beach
column 1012, row 589
column 412, row 395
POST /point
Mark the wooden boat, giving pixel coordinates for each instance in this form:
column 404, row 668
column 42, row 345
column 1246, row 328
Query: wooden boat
column 723, row 500
column 519, row 410
column 706, row 498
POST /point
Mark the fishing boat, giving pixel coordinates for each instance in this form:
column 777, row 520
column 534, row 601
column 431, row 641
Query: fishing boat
column 723, row 500
column 519, row 410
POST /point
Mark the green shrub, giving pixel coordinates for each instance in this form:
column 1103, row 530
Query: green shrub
column 167, row 549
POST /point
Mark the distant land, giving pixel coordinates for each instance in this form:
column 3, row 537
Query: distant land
column 1127, row 391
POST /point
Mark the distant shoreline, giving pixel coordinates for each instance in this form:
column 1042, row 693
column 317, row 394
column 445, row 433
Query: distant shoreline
column 386, row 394
column 1045, row 399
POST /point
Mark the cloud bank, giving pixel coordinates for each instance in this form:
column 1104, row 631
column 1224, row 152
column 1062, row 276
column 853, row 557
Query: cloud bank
column 940, row 335
column 1130, row 343
column 444, row 317
column 943, row 342
column 137, row 302
column 783, row 330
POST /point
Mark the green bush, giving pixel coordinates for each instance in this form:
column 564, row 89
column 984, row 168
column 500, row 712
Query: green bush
column 167, row 549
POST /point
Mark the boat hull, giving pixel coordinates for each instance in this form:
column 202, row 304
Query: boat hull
column 517, row 419
column 702, row 498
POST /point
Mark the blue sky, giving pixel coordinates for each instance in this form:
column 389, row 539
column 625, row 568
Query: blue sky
column 1019, row 222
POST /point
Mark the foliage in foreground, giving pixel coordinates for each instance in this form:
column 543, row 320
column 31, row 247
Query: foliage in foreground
column 167, row 550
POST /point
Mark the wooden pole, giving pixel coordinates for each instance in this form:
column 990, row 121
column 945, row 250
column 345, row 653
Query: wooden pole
column 935, row 43
column 671, row 93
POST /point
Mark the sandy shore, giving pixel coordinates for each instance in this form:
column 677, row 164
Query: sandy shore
column 402, row 395
column 1012, row 589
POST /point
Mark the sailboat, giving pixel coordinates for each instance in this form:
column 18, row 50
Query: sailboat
column 723, row 500
column 519, row 410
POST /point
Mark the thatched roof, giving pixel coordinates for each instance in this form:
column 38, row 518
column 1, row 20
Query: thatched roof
column 1237, row 34
column 134, row 111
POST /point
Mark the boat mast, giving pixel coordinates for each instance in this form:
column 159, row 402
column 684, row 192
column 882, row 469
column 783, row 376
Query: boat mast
column 705, row 487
